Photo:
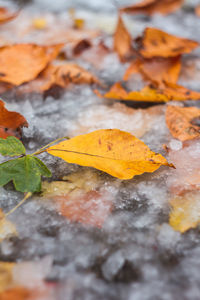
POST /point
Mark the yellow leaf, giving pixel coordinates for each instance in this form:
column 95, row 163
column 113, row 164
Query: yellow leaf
column 6, row 227
column 113, row 151
column 185, row 212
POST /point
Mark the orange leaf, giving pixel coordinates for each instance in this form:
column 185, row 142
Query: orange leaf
column 10, row 122
column 23, row 62
column 115, row 152
column 147, row 94
column 185, row 212
column 122, row 41
column 156, row 42
column 181, row 122
column 168, row 92
column 197, row 10
column 16, row 293
column 6, row 278
column 150, row 7
column 157, row 70
column 180, row 93
column 6, row 15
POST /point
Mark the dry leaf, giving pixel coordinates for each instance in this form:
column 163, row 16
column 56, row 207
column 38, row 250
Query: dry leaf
column 158, row 70
column 185, row 213
column 181, row 122
column 150, row 7
column 197, row 10
column 122, row 41
column 23, row 62
column 40, row 23
column 10, row 122
column 115, row 152
column 180, row 93
column 156, row 42
column 147, row 94
column 168, row 92
column 6, row 15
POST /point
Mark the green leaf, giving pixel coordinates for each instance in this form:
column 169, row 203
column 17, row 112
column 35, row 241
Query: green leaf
column 11, row 146
column 25, row 172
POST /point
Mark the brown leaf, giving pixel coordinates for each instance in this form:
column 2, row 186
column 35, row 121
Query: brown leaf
column 156, row 42
column 197, row 10
column 6, row 15
column 6, row 278
column 181, row 122
column 23, row 62
column 10, row 122
column 122, row 41
column 150, row 7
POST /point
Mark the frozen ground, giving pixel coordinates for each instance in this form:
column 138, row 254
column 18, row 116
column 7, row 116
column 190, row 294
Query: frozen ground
column 136, row 255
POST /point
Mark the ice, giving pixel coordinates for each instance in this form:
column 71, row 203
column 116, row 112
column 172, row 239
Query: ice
column 175, row 145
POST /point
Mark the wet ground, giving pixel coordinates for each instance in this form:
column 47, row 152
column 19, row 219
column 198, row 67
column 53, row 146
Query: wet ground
column 127, row 249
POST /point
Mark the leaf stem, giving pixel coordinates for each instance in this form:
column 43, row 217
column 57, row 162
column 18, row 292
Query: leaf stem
column 41, row 150
column 27, row 195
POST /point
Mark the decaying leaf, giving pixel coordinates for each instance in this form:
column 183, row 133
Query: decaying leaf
column 122, row 41
column 23, row 62
column 156, row 42
column 115, row 152
column 25, row 172
column 183, row 122
column 6, row 229
column 10, row 122
column 6, row 15
column 158, row 70
column 185, row 213
column 150, row 7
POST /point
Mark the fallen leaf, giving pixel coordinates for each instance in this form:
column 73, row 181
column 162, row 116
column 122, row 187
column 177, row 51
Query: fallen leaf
column 10, row 122
column 115, row 152
column 185, row 213
column 122, row 41
column 6, row 278
column 6, row 15
column 59, row 75
column 155, row 42
column 6, row 229
column 147, row 94
column 157, row 70
column 11, row 147
column 25, row 172
column 180, row 93
column 81, row 46
column 16, row 293
column 181, row 122
column 151, row 7
column 82, row 197
column 23, row 62
column 168, row 92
